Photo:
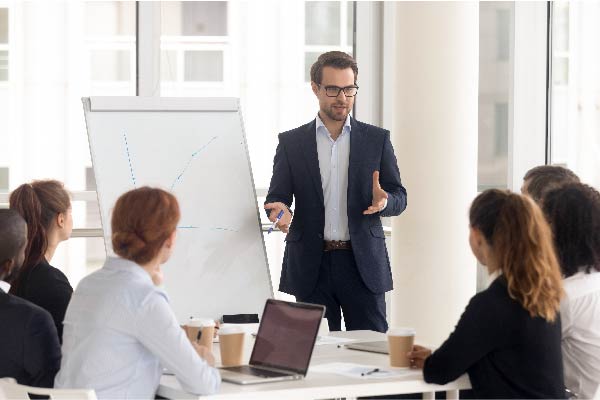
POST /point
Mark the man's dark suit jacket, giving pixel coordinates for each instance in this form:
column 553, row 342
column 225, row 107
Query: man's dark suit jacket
column 296, row 175
column 29, row 348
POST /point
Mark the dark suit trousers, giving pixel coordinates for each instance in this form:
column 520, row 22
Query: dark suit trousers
column 341, row 289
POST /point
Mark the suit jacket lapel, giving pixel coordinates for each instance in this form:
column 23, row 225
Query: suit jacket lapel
column 309, row 147
column 358, row 147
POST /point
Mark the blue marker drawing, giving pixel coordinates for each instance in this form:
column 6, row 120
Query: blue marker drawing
column 225, row 229
column 212, row 229
column 129, row 158
column 193, row 156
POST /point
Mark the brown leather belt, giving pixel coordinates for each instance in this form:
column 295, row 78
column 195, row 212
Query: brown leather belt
column 329, row 245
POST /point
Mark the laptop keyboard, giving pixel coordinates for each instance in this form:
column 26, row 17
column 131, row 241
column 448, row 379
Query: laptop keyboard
column 248, row 370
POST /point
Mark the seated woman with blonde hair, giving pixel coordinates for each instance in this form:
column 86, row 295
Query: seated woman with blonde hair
column 508, row 338
column 119, row 328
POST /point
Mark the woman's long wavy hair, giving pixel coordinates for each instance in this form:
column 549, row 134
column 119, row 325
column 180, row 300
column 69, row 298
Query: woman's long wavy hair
column 521, row 249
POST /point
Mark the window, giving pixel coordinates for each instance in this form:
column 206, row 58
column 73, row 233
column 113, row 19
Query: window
column 328, row 25
column 60, row 52
column 575, row 92
column 195, row 41
column 257, row 51
column 495, row 21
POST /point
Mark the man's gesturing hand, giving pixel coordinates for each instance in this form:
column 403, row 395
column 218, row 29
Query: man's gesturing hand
column 379, row 196
column 286, row 219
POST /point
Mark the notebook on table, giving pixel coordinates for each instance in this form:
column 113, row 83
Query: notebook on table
column 284, row 344
column 380, row 346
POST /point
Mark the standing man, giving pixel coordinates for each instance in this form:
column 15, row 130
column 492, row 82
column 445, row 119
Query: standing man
column 343, row 176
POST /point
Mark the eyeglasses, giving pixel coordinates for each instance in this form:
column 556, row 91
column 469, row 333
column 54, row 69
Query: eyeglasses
column 334, row 91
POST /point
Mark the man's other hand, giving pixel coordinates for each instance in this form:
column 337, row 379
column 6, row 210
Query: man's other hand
column 286, row 219
column 379, row 196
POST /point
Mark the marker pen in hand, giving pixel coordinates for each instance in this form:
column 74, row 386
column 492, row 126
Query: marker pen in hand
column 275, row 222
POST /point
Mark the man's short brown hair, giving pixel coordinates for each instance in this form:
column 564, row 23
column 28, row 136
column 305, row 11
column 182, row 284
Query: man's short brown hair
column 545, row 178
column 335, row 59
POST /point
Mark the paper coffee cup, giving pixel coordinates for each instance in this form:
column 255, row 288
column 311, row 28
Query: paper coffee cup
column 231, row 345
column 201, row 331
column 400, row 341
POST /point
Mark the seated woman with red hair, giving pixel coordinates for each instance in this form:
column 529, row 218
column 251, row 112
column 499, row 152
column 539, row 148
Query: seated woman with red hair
column 119, row 330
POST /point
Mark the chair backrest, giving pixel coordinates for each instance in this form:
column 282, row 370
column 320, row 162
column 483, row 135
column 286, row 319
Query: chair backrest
column 11, row 390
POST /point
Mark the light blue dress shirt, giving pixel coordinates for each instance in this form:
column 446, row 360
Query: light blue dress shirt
column 119, row 331
column 334, row 159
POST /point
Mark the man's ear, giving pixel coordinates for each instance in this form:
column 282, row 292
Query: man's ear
column 6, row 267
column 315, row 87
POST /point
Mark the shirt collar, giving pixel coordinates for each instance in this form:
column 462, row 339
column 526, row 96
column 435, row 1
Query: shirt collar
column 5, row 286
column 347, row 127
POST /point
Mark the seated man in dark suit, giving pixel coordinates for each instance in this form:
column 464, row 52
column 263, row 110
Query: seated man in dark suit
column 29, row 348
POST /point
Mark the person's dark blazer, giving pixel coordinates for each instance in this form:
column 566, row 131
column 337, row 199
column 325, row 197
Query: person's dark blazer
column 29, row 348
column 296, row 175
column 49, row 288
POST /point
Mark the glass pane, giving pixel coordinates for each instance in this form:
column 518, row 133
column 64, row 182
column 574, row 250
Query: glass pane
column 322, row 23
column 194, row 18
column 110, row 18
column 575, row 114
column 350, row 23
column 3, row 65
column 3, row 25
column 503, row 40
column 4, row 179
column 110, row 65
column 501, row 129
column 309, row 59
column 494, row 73
column 205, row 66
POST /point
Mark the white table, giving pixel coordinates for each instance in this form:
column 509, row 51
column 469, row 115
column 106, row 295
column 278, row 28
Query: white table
column 322, row 385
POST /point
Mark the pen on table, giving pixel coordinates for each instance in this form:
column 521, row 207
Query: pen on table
column 369, row 372
column 275, row 222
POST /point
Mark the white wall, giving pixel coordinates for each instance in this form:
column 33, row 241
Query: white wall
column 435, row 139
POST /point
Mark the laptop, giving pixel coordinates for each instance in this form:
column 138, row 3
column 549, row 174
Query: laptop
column 284, row 344
column 381, row 347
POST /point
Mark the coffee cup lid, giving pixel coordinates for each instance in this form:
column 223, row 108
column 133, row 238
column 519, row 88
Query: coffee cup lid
column 200, row 322
column 402, row 332
column 230, row 329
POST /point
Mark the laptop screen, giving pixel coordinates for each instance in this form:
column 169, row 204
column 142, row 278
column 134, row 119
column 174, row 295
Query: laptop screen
column 286, row 335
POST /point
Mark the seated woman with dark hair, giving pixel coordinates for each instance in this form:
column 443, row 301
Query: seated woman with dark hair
column 573, row 212
column 119, row 328
column 46, row 207
column 508, row 338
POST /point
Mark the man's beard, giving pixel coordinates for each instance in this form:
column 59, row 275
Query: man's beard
column 330, row 113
